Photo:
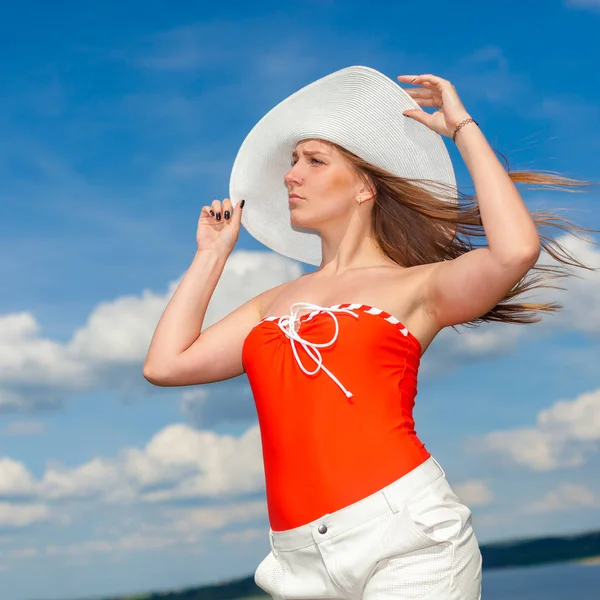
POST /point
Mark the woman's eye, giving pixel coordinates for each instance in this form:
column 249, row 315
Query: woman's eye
column 312, row 160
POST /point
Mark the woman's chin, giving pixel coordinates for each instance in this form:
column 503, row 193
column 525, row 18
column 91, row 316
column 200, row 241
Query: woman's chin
column 298, row 220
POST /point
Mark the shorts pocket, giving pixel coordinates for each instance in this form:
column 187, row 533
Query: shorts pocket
column 436, row 514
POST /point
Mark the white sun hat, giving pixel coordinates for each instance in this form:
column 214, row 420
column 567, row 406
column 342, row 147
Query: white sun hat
column 357, row 108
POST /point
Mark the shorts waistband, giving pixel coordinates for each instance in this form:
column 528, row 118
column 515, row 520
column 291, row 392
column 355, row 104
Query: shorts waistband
column 387, row 499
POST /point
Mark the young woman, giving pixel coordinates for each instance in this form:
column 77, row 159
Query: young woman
column 351, row 175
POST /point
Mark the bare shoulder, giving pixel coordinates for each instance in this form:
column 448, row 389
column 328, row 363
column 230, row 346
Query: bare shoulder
column 266, row 299
column 263, row 299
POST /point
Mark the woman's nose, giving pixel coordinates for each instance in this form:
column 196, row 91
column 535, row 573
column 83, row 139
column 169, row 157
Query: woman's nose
column 292, row 177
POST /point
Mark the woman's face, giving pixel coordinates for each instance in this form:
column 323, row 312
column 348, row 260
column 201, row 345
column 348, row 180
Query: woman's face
column 322, row 186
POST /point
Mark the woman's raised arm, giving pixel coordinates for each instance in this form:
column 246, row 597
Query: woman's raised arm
column 467, row 287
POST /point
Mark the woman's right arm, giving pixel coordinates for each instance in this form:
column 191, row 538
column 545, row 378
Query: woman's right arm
column 179, row 354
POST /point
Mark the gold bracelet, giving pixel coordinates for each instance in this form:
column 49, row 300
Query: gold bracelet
column 461, row 125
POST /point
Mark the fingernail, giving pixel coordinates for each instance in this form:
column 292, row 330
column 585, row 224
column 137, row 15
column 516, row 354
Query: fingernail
column 212, row 213
column 227, row 214
column 242, row 203
column 218, row 216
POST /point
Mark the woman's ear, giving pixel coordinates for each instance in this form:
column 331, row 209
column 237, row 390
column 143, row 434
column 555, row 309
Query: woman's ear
column 366, row 190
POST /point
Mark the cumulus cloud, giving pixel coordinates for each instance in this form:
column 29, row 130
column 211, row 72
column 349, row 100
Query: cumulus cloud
column 196, row 521
column 110, row 347
column 175, row 527
column 474, row 493
column 563, row 436
column 179, row 462
column 20, row 515
column 566, row 496
column 15, row 479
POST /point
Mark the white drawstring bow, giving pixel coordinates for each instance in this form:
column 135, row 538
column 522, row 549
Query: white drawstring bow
column 287, row 324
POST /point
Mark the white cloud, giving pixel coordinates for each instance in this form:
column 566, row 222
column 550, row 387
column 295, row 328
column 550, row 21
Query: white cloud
column 566, row 496
column 126, row 543
column 36, row 371
column 96, row 477
column 20, row 515
column 563, row 436
column 243, row 536
column 26, row 357
column 474, row 493
column 219, row 465
column 175, row 527
column 15, row 479
column 120, row 331
column 196, row 521
column 178, row 462
column 581, row 310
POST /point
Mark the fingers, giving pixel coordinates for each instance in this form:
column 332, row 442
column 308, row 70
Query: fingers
column 418, row 115
column 216, row 211
column 227, row 209
column 418, row 79
column 407, row 78
column 220, row 211
column 237, row 212
column 418, row 93
column 205, row 212
column 425, row 97
column 426, row 80
column 436, row 102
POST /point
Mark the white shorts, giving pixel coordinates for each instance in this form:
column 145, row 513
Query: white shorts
column 412, row 539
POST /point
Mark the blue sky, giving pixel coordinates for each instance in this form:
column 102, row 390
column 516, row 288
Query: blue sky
column 118, row 121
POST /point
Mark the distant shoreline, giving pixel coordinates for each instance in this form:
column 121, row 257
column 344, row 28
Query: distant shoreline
column 591, row 560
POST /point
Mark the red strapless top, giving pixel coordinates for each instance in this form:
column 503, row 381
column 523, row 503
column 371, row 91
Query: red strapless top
column 334, row 392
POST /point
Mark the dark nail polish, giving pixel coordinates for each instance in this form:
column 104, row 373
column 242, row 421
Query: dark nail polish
column 212, row 213
column 242, row 203
column 227, row 214
column 218, row 216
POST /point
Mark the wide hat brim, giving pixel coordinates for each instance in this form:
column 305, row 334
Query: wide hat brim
column 357, row 108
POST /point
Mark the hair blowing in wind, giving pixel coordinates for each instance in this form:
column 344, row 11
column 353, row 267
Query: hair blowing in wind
column 417, row 222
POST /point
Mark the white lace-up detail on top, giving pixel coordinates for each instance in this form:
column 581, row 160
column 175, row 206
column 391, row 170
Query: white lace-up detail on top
column 287, row 324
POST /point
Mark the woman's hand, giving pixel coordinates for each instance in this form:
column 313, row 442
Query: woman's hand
column 219, row 226
column 436, row 92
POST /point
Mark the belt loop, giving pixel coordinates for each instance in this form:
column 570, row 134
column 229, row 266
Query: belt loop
column 390, row 500
column 438, row 464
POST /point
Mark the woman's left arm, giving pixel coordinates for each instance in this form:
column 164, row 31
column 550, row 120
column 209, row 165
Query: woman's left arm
column 467, row 287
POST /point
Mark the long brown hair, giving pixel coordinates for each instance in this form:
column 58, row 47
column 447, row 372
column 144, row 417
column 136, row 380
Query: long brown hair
column 417, row 222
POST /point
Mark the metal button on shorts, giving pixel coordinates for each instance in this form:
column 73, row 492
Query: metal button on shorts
column 322, row 529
